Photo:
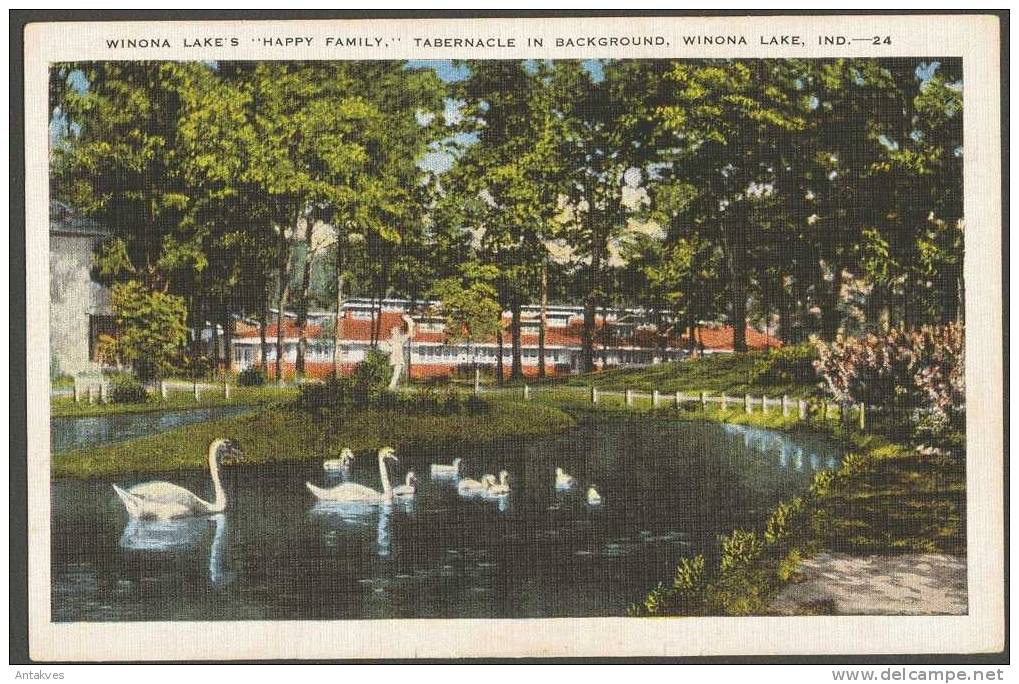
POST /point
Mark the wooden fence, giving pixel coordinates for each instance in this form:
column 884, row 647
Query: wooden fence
column 789, row 406
column 98, row 390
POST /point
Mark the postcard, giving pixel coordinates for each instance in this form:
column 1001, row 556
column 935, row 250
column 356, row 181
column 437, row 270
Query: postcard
column 557, row 336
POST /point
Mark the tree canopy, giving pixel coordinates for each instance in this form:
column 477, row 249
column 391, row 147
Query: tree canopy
column 794, row 196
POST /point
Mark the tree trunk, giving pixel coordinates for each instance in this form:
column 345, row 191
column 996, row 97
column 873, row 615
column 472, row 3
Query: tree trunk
column 604, row 336
column 516, row 364
column 281, row 303
column 739, row 316
column 830, row 317
column 263, row 348
column 591, row 298
column 734, row 249
column 543, row 318
column 499, row 369
column 302, row 312
column 228, row 340
column 338, row 323
column 214, row 342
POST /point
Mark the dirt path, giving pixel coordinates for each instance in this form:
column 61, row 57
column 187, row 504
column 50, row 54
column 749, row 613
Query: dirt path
column 912, row 584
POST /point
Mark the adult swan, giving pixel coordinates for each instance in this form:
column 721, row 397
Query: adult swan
column 165, row 500
column 353, row 492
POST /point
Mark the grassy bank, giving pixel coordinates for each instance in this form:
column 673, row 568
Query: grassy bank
column 287, row 434
column 773, row 373
column 885, row 498
column 61, row 407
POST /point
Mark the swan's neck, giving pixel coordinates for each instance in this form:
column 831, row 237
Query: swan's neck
column 387, row 489
column 219, row 496
column 409, row 480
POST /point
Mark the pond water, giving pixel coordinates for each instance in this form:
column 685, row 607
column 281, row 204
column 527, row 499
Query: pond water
column 669, row 488
column 67, row 434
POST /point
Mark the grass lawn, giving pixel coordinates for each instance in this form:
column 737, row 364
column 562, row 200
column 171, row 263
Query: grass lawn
column 239, row 396
column 713, row 373
column 287, row 434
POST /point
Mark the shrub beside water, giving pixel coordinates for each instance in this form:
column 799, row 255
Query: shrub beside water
column 367, row 387
column 918, row 376
column 127, row 389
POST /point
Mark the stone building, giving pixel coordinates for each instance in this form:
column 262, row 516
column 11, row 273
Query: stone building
column 79, row 306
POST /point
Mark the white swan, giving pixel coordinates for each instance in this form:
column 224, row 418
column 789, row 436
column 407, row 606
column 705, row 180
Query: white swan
column 351, row 491
column 563, row 480
column 500, row 488
column 593, row 497
column 440, row 470
column 473, row 487
column 408, row 486
column 341, row 464
column 165, row 500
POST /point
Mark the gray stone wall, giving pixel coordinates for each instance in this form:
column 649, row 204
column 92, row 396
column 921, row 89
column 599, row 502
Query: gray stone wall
column 73, row 296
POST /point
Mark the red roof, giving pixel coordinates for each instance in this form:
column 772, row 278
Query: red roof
column 713, row 337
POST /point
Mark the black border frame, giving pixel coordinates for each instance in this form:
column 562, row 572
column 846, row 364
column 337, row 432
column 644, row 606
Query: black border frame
column 17, row 455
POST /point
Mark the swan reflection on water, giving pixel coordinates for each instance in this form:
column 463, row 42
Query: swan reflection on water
column 341, row 515
column 181, row 534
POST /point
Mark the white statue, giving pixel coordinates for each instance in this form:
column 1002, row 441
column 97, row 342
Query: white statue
column 397, row 339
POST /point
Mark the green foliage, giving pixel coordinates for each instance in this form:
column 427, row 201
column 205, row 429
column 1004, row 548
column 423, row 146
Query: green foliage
column 471, row 313
column 251, row 377
column 127, row 389
column 371, row 376
column 151, row 328
column 712, row 373
column 789, row 365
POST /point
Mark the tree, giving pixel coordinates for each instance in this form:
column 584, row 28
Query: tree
column 471, row 311
column 151, row 328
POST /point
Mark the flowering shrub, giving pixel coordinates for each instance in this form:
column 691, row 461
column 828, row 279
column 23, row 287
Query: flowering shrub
column 921, row 372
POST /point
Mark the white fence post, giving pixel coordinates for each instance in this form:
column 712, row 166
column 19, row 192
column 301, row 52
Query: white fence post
column 725, row 402
column 764, row 403
column 679, row 398
column 198, row 392
column 477, row 382
column 226, row 389
column 746, row 404
column 163, row 392
column 629, row 397
column 802, row 405
column 527, row 392
column 863, row 417
column 594, row 395
column 102, row 392
column 654, row 398
column 785, row 405
column 704, row 400
column 77, row 392
column 91, row 395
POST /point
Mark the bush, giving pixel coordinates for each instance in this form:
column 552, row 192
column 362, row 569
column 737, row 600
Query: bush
column 127, row 389
column 371, row 376
column 789, row 365
column 918, row 373
column 331, row 394
column 251, row 377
